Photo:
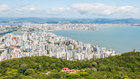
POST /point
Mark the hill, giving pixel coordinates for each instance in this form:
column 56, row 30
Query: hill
column 69, row 20
column 125, row 66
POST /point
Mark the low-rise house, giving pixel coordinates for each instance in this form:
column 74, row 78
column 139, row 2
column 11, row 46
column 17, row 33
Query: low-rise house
column 67, row 70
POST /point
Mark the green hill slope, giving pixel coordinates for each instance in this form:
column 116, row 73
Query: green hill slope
column 126, row 66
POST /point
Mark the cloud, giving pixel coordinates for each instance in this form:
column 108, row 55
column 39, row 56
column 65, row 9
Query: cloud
column 4, row 8
column 73, row 11
column 27, row 8
column 57, row 11
column 103, row 9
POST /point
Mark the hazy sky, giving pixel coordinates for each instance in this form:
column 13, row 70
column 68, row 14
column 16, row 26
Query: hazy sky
column 70, row 8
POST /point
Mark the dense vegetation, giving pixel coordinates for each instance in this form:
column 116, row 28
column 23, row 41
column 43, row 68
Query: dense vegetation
column 126, row 66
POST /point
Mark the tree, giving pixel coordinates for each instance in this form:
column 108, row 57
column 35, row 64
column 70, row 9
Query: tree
column 30, row 72
column 12, row 72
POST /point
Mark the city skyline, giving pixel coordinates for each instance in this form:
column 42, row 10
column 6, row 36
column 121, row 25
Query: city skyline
column 70, row 8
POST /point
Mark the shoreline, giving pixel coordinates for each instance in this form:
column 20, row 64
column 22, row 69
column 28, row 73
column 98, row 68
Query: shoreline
column 61, row 47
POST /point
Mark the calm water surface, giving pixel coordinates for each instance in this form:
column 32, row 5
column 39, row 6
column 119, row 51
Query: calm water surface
column 119, row 38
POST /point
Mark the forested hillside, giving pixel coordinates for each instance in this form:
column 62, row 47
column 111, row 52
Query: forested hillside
column 126, row 66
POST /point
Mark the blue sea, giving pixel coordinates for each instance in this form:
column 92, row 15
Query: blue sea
column 119, row 38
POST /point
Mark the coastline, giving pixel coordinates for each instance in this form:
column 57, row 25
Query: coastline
column 38, row 41
column 124, row 38
column 57, row 46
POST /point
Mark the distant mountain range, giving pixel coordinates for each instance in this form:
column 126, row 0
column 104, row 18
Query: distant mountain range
column 63, row 20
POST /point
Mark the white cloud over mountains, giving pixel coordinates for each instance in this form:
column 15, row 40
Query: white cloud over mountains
column 102, row 9
column 86, row 10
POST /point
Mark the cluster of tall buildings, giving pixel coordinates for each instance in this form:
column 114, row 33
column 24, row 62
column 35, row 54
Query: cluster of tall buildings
column 21, row 44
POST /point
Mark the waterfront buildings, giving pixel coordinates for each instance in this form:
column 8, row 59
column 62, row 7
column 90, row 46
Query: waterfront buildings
column 48, row 44
column 36, row 41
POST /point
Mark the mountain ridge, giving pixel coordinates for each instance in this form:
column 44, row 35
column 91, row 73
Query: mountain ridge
column 68, row 20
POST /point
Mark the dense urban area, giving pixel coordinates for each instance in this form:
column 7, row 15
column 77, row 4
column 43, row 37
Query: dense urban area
column 37, row 40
